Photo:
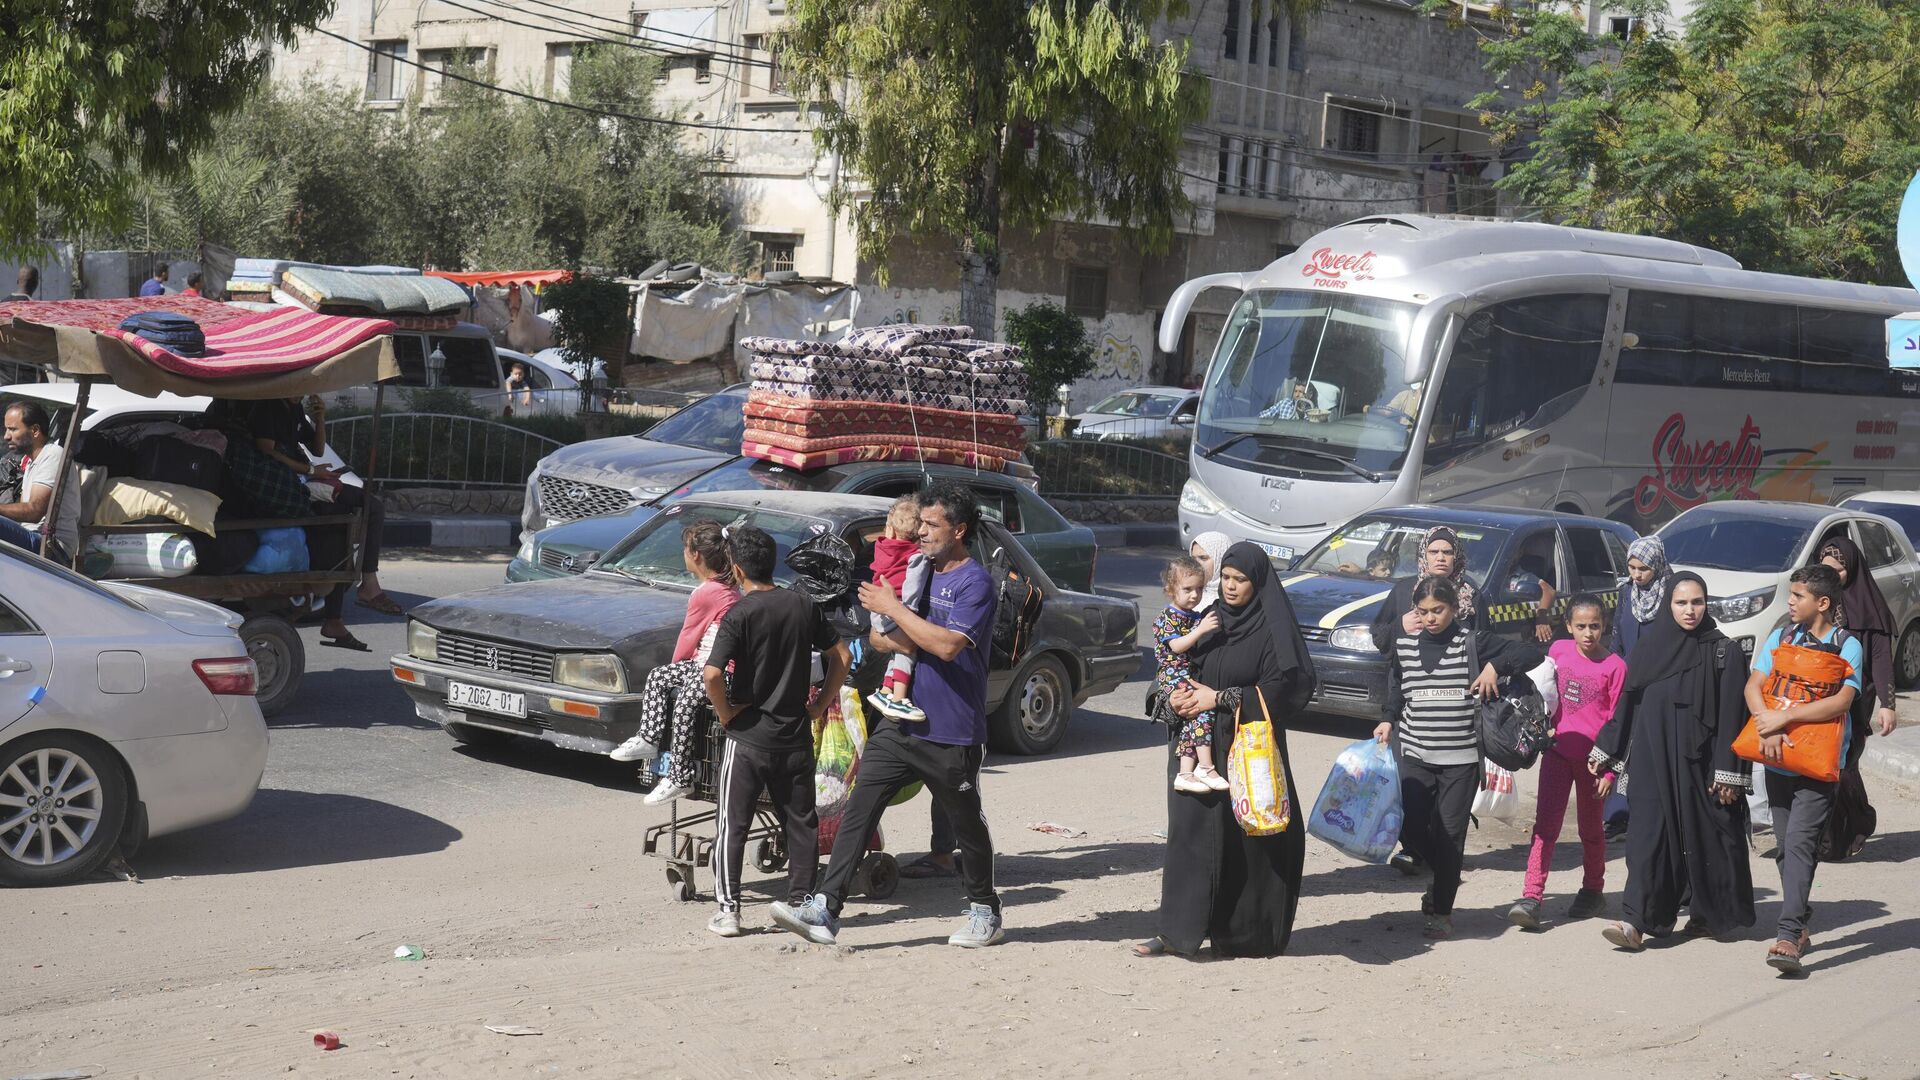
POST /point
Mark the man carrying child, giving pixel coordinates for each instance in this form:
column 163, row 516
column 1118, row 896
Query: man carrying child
column 953, row 638
column 767, row 638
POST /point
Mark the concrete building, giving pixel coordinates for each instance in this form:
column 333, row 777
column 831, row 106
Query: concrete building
column 1358, row 110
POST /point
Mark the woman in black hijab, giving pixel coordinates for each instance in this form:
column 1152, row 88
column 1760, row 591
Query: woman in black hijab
column 1239, row 891
column 1864, row 613
column 1672, row 734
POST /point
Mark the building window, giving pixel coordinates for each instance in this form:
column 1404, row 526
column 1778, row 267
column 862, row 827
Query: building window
column 1226, row 157
column 776, row 72
column 1358, row 132
column 1250, row 169
column 560, row 68
column 384, row 65
column 703, row 69
column 1296, row 47
column 1087, row 292
column 777, row 251
column 1273, row 41
column 436, row 63
column 1230, row 47
column 1622, row 26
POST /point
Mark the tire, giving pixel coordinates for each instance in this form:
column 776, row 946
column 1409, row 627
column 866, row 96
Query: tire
column 680, row 884
column 768, row 859
column 478, row 737
column 68, row 775
column 1033, row 718
column 1906, row 660
column 276, row 650
column 879, row 875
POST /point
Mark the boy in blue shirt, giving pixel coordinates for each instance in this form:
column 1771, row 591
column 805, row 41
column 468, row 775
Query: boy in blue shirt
column 1801, row 804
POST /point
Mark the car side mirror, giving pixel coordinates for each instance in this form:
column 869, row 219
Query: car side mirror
column 1184, row 419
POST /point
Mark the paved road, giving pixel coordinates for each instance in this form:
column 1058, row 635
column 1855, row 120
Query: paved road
column 520, row 874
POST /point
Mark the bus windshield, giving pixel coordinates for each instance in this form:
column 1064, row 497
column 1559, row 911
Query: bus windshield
column 1312, row 383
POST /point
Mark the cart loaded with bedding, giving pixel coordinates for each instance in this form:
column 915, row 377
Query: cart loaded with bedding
column 187, row 507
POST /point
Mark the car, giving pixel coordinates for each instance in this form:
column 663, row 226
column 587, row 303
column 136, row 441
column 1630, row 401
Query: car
column 1066, row 551
column 612, row 476
column 1142, row 412
column 125, row 713
column 563, row 660
column 552, row 390
column 1746, row 550
column 1335, row 599
column 1903, row 507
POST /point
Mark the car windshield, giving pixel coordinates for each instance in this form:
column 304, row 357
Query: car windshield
column 713, row 423
column 1387, row 547
column 1311, row 383
column 1903, row 515
column 655, row 552
column 748, row 474
column 1742, row 542
column 1134, row 403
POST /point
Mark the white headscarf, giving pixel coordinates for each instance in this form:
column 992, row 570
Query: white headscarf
column 1215, row 544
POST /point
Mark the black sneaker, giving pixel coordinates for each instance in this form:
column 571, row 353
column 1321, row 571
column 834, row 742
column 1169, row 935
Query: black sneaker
column 1587, row 903
column 1616, row 830
column 1407, row 863
column 1525, row 913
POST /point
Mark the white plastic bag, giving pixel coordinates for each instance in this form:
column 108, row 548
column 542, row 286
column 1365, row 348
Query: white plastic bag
column 1546, row 680
column 1499, row 796
column 1358, row 810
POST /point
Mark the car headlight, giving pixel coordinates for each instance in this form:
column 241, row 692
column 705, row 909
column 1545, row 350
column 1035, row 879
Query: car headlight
column 1196, row 499
column 525, row 554
column 599, row 672
column 423, row 641
column 1744, row 606
column 1352, row 638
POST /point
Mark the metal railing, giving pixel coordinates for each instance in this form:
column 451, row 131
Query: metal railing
column 440, row 450
column 1107, row 469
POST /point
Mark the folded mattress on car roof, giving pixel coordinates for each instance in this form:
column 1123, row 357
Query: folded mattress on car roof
column 378, row 293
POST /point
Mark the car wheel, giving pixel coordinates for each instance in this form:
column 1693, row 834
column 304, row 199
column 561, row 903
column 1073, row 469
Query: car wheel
column 63, row 801
column 485, row 738
column 276, row 650
column 1033, row 718
column 1907, row 661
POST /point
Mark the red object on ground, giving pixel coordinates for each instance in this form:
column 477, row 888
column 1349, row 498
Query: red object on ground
column 326, row 1040
column 535, row 278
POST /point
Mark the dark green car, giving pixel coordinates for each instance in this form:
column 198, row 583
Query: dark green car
column 1064, row 550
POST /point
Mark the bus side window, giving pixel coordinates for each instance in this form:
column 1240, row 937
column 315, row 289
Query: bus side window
column 1517, row 366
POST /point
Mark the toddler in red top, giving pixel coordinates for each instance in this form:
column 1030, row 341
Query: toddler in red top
column 899, row 565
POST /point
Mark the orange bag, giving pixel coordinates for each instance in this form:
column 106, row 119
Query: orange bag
column 1802, row 675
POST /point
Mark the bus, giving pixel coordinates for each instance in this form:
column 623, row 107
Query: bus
column 1402, row 359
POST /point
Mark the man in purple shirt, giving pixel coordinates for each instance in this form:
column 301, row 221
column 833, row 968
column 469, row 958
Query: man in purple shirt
column 953, row 638
column 157, row 284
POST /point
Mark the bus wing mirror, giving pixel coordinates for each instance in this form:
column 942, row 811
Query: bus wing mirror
column 1425, row 348
column 1174, row 318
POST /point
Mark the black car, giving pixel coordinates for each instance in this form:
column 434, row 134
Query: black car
column 563, row 660
column 1336, row 598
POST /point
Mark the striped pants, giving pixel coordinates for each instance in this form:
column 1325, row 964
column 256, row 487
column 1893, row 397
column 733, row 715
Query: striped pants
column 786, row 778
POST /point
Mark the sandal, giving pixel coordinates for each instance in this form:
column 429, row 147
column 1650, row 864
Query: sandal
column 1784, row 957
column 1154, row 946
column 924, row 867
column 349, row 643
column 382, row 603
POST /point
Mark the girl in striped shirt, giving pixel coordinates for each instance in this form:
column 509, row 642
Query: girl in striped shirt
column 1432, row 693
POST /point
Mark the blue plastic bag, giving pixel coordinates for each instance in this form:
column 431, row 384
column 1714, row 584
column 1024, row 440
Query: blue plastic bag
column 1358, row 810
column 281, row 551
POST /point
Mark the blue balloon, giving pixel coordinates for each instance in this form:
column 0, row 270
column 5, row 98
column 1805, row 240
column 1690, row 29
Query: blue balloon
column 1909, row 231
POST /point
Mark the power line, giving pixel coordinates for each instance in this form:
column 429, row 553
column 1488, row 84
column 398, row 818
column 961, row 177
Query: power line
column 1341, row 104
column 627, row 26
column 644, row 42
column 575, row 31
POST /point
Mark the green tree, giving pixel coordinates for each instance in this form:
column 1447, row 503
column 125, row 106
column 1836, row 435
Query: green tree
column 964, row 117
column 1782, row 132
column 226, row 196
column 1056, row 348
column 91, row 93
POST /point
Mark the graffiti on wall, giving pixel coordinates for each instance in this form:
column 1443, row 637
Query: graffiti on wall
column 1119, row 357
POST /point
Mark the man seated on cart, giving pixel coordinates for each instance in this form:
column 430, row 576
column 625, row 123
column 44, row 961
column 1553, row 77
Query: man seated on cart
column 288, row 432
column 767, row 638
column 24, row 523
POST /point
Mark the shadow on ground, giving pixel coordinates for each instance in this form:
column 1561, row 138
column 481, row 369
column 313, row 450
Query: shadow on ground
column 286, row 829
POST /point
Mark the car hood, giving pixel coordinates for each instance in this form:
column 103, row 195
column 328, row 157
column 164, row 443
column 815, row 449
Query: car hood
column 630, row 463
column 586, row 612
column 594, row 533
column 183, row 613
column 1325, row 601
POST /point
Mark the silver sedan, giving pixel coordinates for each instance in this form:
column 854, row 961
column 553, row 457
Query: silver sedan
column 124, row 713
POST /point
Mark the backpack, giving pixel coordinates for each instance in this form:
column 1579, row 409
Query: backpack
column 1016, row 611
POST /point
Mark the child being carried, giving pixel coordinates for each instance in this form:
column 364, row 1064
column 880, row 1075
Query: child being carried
column 899, row 565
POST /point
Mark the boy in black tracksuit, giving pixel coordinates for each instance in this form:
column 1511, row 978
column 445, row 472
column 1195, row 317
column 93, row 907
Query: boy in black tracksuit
column 768, row 638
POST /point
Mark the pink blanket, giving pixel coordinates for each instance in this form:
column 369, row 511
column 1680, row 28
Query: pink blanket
column 264, row 343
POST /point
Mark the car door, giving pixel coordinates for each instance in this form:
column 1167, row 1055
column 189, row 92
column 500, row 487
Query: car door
column 1539, row 551
column 26, row 661
column 1891, row 565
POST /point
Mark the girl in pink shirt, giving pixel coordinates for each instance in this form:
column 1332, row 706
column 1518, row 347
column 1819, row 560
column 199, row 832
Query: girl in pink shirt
column 1589, row 678
column 674, row 691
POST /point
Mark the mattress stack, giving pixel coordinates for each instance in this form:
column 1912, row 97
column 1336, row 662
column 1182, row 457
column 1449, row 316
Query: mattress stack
column 886, row 393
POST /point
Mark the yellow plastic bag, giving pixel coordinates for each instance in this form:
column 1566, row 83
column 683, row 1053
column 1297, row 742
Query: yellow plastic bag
column 1257, row 776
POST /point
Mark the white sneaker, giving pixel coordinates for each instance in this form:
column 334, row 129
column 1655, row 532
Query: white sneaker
column 725, row 923
column 1213, row 780
column 666, row 793
column 983, row 928
column 635, row 749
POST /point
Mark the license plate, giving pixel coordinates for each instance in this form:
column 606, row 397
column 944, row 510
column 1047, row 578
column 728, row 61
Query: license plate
column 1277, row 551
column 486, row 699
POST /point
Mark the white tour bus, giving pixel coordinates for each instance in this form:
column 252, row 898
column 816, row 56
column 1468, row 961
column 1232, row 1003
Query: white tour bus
column 1404, row 359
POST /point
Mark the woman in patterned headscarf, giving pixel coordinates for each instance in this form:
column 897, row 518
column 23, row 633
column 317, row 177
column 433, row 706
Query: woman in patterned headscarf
column 1441, row 555
column 1643, row 595
column 1207, row 549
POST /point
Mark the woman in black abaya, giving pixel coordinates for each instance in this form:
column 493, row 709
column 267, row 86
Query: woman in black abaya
column 1672, row 735
column 1864, row 612
column 1239, row 891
